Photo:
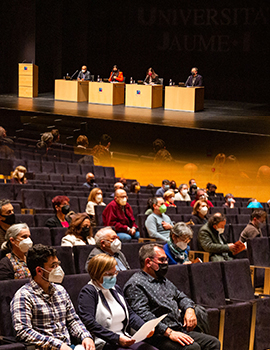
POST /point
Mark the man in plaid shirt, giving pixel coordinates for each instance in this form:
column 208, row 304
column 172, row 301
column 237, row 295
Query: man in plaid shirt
column 42, row 312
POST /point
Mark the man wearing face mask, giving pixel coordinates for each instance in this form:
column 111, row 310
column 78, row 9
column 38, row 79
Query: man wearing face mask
column 84, row 74
column 42, row 312
column 108, row 242
column 201, row 194
column 158, row 224
column 194, row 79
column 150, row 294
column 90, row 181
column 7, row 218
column 253, row 228
column 165, row 187
column 18, row 242
column 182, row 195
column 61, row 208
column 119, row 214
column 211, row 239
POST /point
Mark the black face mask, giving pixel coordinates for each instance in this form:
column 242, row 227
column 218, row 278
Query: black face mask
column 9, row 219
column 192, row 73
column 65, row 209
column 163, row 269
column 85, row 232
column 92, row 181
column 115, row 70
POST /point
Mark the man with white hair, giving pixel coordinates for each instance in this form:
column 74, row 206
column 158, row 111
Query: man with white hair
column 90, row 181
column 18, row 242
column 108, row 242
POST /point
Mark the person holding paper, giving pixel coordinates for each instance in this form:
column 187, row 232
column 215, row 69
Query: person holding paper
column 104, row 311
column 151, row 295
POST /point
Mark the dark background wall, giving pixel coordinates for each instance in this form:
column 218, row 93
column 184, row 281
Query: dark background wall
column 227, row 40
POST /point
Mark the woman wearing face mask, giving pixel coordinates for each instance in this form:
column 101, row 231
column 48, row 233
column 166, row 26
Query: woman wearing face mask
column 79, row 231
column 182, row 195
column 116, row 75
column 95, row 198
column 200, row 211
column 104, row 310
column 177, row 248
column 18, row 242
column 61, row 208
column 135, row 187
column 151, row 77
column 169, row 197
column 18, row 176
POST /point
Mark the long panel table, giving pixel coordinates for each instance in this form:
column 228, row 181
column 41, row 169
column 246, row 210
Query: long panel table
column 184, row 98
column 144, row 96
column 71, row 90
column 106, row 93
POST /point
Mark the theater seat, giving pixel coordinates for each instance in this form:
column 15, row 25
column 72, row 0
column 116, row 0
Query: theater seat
column 80, row 256
column 65, row 255
column 73, row 285
column 57, row 233
column 41, row 235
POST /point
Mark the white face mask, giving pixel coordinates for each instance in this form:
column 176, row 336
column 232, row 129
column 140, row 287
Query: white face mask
column 98, row 198
column 182, row 245
column 203, row 210
column 20, row 174
column 122, row 201
column 116, row 245
column 25, row 244
column 184, row 192
column 56, row 275
column 220, row 230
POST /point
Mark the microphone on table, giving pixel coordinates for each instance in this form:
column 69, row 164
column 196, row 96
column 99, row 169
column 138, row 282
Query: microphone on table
column 74, row 74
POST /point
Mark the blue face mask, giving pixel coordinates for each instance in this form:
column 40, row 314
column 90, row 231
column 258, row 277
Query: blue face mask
column 109, row 282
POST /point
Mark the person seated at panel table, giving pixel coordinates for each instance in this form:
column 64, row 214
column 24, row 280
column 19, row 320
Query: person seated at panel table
column 151, row 77
column 84, row 74
column 116, row 75
column 194, row 79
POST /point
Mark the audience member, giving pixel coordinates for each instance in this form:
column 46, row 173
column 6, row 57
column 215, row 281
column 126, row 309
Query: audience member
column 211, row 190
column 102, row 150
column 117, row 186
column 182, row 194
column 173, row 186
column 90, row 181
column 103, row 309
column 165, row 187
column 192, row 187
column 4, row 138
column 158, row 224
column 7, row 218
column 161, row 153
column 149, row 210
column 18, row 242
column 135, row 187
column 95, row 198
column 169, row 197
column 109, row 243
column 116, row 75
column 254, row 204
column 211, row 240
column 18, row 175
column 150, row 189
column 56, row 135
column 79, row 231
column 177, row 247
column 45, row 143
column 118, row 213
column 200, row 211
column 82, row 142
column 61, row 208
column 150, row 293
column 201, row 194
column 229, row 201
column 123, row 181
column 253, row 228
column 42, row 312
column 5, row 151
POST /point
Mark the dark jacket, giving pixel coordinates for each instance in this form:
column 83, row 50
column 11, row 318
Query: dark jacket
column 6, row 269
column 97, row 251
column 87, row 75
column 55, row 222
column 208, row 241
column 198, row 220
column 114, row 215
column 154, row 80
column 198, row 81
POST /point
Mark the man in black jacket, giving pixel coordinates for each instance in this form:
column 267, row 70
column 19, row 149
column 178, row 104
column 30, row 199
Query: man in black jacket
column 84, row 74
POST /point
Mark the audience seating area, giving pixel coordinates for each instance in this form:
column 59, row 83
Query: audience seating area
column 237, row 317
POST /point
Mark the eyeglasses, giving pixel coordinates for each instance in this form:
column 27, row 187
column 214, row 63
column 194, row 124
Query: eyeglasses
column 161, row 260
column 111, row 274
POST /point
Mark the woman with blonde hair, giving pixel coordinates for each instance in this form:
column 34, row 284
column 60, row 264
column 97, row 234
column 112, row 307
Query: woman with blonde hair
column 169, row 197
column 79, row 231
column 104, row 310
column 95, row 198
column 200, row 211
column 18, row 176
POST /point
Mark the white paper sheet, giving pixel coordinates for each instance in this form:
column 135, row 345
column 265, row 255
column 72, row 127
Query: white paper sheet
column 145, row 329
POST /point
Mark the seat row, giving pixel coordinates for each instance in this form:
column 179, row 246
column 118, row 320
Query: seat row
column 234, row 323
